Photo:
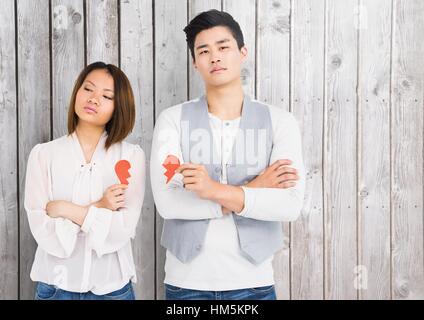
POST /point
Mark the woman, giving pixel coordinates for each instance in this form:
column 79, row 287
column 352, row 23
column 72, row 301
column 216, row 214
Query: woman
column 84, row 193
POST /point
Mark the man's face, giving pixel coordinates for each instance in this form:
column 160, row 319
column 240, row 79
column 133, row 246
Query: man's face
column 217, row 56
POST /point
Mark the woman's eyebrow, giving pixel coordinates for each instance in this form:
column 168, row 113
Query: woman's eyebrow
column 95, row 85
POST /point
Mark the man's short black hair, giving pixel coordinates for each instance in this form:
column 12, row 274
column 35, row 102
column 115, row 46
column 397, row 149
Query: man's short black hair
column 210, row 19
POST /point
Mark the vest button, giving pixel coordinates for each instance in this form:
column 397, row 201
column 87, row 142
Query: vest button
column 198, row 247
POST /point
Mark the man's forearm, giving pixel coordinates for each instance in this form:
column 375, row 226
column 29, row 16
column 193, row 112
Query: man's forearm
column 228, row 196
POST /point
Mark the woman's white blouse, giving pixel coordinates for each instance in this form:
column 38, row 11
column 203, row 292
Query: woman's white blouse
column 97, row 256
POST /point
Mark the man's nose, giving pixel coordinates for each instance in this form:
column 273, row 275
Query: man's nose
column 216, row 57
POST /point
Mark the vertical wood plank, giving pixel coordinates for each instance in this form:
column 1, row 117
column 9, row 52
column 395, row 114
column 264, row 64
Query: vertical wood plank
column 272, row 83
column 340, row 150
column 137, row 57
column 244, row 12
column 102, row 31
column 170, row 84
column 374, row 149
column 34, row 112
column 67, row 57
column 196, row 87
column 8, row 157
column 307, row 249
column 407, row 149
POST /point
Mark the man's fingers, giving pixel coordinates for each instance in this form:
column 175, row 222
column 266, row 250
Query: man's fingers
column 120, row 199
column 285, row 169
column 280, row 162
column 188, row 180
column 288, row 177
column 185, row 166
column 189, row 172
column 287, row 184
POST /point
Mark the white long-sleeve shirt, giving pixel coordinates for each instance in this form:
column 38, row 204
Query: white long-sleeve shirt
column 221, row 265
column 97, row 256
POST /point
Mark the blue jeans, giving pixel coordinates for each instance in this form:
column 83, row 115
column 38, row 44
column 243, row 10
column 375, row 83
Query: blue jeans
column 259, row 293
column 48, row 292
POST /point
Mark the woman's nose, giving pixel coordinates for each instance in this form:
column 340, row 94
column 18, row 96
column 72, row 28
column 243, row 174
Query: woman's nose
column 93, row 100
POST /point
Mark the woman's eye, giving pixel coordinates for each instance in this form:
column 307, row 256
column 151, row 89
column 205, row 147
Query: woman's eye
column 87, row 89
column 109, row 98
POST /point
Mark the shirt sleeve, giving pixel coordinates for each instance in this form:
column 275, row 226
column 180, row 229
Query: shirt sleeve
column 174, row 202
column 108, row 231
column 276, row 204
column 56, row 236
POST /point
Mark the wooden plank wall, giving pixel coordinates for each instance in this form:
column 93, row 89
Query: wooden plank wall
column 352, row 73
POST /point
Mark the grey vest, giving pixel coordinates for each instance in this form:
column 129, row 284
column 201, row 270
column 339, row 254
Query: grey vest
column 251, row 153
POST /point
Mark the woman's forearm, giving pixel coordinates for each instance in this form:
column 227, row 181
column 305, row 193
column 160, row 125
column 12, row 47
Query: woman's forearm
column 67, row 210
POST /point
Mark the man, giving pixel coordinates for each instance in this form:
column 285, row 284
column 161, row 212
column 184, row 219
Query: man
column 221, row 177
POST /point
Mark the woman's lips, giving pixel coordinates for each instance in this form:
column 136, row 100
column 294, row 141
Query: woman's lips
column 90, row 110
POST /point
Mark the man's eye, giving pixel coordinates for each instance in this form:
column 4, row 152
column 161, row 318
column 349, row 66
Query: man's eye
column 204, row 51
column 222, row 48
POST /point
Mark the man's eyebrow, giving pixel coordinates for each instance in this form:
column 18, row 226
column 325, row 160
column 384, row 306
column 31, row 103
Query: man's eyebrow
column 218, row 42
column 201, row 46
column 222, row 41
column 95, row 85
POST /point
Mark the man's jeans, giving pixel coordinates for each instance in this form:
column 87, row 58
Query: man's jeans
column 48, row 292
column 259, row 293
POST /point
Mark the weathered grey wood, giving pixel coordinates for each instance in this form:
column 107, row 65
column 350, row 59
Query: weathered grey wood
column 136, row 62
column 307, row 246
column 273, row 76
column 340, row 150
column 374, row 149
column 407, row 150
column 170, row 85
column 244, row 13
column 9, row 252
column 356, row 88
column 102, row 31
column 67, row 57
column 34, row 112
column 196, row 87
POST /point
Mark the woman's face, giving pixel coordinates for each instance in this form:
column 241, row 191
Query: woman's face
column 94, row 102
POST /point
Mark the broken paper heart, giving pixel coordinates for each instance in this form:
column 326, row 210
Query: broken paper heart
column 122, row 171
column 171, row 164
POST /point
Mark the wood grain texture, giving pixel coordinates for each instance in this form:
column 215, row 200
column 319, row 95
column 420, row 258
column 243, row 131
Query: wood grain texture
column 102, row 31
column 170, row 85
column 272, row 86
column 374, row 27
column 307, row 84
column 407, row 150
column 34, row 112
column 351, row 72
column 67, row 57
column 340, row 150
column 9, row 228
column 137, row 57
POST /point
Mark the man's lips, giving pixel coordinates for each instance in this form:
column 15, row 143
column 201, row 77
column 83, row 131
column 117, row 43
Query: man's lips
column 216, row 69
column 89, row 109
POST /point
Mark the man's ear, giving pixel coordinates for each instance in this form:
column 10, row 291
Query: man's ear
column 243, row 52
